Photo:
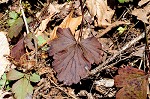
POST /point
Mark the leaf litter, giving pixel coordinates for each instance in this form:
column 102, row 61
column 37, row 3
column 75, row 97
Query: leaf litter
column 72, row 61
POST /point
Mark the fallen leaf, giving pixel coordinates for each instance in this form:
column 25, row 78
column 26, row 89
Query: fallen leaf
column 22, row 88
column 18, row 50
column 72, row 59
column 28, row 41
column 4, row 50
column 102, row 12
column 68, row 22
column 133, row 81
column 51, row 10
column 139, row 52
column 142, row 2
column 142, row 13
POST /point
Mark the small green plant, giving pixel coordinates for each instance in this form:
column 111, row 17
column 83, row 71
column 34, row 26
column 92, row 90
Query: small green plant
column 22, row 87
column 4, row 83
column 41, row 40
column 121, row 30
column 124, row 1
column 12, row 18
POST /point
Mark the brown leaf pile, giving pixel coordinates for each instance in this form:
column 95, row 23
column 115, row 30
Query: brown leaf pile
column 134, row 83
column 72, row 59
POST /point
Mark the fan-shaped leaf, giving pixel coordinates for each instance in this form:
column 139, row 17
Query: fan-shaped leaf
column 72, row 59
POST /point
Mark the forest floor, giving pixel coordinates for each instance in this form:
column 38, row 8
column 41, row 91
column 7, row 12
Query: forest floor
column 76, row 49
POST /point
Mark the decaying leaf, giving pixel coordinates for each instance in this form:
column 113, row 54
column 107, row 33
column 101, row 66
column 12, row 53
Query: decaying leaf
column 28, row 41
column 22, row 88
column 18, row 50
column 72, row 59
column 4, row 50
column 51, row 10
column 142, row 13
column 134, row 83
column 102, row 12
column 68, row 22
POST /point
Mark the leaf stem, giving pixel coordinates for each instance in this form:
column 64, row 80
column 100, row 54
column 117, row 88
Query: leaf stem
column 81, row 30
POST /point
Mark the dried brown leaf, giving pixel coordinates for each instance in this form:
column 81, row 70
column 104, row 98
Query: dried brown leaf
column 100, row 9
column 68, row 22
column 18, row 50
column 28, row 41
column 134, row 83
column 73, row 59
column 142, row 13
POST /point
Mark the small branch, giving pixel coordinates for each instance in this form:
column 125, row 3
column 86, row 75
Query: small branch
column 63, row 90
column 24, row 18
column 115, row 24
column 128, row 45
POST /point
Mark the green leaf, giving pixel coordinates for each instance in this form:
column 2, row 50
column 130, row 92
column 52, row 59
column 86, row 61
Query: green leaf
column 3, row 80
column 13, row 15
column 10, row 22
column 123, row 1
column 35, row 77
column 22, row 88
column 15, row 29
column 4, row 76
column 41, row 40
column 14, row 75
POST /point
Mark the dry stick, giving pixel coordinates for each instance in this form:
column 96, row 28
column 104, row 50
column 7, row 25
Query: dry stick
column 129, row 44
column 24, row 18
column 62, row 90
column 115, row 24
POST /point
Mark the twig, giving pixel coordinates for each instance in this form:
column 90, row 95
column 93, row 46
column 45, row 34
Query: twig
column 129, row 44
column 24, row 18
column 115, row 24
column 62, row 89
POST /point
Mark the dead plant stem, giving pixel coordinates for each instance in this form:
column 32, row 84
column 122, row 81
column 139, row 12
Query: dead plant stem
column 128, row 45
column 24, row 17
